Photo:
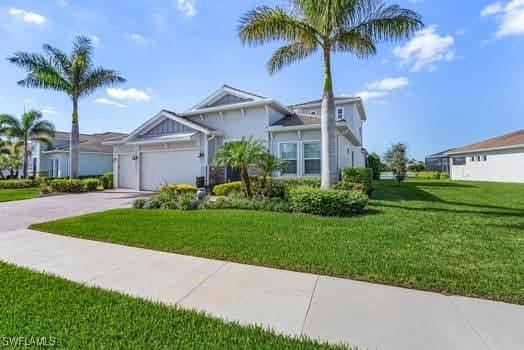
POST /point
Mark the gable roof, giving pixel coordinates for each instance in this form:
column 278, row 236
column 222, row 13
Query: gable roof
column 88, row 142
column 348, row 99
column 511, row 140
column 440, row 154
column 224, row 90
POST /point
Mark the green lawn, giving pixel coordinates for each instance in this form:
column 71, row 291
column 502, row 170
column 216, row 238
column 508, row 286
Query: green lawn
column 452, row 237
column 73, row 316
column 17, row 194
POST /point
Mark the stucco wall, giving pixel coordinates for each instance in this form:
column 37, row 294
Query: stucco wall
column 500, row 166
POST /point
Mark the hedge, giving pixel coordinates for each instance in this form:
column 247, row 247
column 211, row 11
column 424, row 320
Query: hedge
column 107, row 180
column 91, row 184
column 357, row 179
column 431, row 175
column 228, row 188
column 310, row 200
column 10, row 184
column 67, row 186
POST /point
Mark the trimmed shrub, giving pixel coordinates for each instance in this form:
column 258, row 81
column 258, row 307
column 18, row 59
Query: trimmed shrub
column 66, row 186
column 444, row 176
column 139, row 203
column 229, row 188
column 12, row 184
column 351, row 177
column 255, row 203
column 188, row 201
column 309, row 200
column 91, row 184
column 185, row 188
column 107, row 180
column 430, row 175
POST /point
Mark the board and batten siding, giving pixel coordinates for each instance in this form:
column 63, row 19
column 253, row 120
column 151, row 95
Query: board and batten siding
column 499, row 166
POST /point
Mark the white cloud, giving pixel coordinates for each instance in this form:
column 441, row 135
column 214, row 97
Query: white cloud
column 187, row 7
column 26, row 16
column 129, row 94
column 510, row 16
column 49, row 110
column 370, row 95
column 141, row 40
column 425, row 49
column 461, row 31
column 95, row 40
column 106, row 101
column 388, row 84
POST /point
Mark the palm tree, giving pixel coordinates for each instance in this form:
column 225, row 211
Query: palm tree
column 268, row 163
column 74, row 74
column 31, row 127
column 331, row 26
column 240, row 155
column 10, row 158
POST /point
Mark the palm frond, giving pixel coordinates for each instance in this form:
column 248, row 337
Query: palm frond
column 43, row 128
column 265, row 24
column 289, row 54
column 41, row 72
column 29, row 119
column 10, row 126
column 355, row 42
column 59, row 59
column 46, row 141
column 99, row 77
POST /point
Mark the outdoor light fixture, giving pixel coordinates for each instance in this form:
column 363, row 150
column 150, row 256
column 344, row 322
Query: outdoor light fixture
column 201, row 154
column 135, row 157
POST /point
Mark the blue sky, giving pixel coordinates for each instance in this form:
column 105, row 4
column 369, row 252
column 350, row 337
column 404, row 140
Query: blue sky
column 458, row 81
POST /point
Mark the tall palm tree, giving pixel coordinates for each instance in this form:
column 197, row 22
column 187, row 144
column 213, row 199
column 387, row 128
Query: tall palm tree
column 331, row 26
column 240, row 155
column 74, row 74
column 30, row 127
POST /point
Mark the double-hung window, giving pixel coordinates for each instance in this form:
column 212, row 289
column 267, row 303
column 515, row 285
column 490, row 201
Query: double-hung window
column 340, row 113
column 289, row 154
column 311, row 158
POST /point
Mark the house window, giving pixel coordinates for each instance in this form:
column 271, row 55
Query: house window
column 340, row 113
column 313, row 112
column 478, row 158
column 473, row 158
column 459, row 161
column 288, row 153
column 485, row 158
column 312, row 158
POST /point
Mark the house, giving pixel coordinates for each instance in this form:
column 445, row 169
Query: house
column 438, row 162
column 177, row 147
column 95, row 157
column 497, row 159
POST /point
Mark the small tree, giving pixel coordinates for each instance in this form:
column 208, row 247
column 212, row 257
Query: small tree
column 10, row 159
column 397, row 160
column 240, row 155
column 268, row 163
column 375, row 164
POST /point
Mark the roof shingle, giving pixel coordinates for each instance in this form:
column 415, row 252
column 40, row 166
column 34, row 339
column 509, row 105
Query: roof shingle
column 512, row 139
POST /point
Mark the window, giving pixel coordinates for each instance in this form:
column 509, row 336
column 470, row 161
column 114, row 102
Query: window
column 459, row 161
column 313, row 112
column 472, row 159
column 312, row 158
column 478, row 158
column 485, row 158
column 340, row 113
column 288, row 152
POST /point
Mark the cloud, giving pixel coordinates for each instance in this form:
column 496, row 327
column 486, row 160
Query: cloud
column 425, row 49
column 461, row 31
column 141, row 40
column 26, row 16
column 187, row 7
column 105, row 101
column 49, row 110
column 388, row 84
column 61, row 3
column 510, row 16
column 370, row 95
column 129, row 94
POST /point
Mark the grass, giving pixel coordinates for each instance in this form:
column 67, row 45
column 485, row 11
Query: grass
column 73, row 316
column 450, row 237
column 7, row 195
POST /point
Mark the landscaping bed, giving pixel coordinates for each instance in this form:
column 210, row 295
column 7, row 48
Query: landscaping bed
column 64, row 314
column 452, row 237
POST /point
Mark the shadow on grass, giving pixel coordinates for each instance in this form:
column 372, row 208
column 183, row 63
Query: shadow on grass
column 517, row 214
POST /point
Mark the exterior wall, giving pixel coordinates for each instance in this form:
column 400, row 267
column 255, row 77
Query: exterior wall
column 349, row 155
column 94, row 164
column 500, row 166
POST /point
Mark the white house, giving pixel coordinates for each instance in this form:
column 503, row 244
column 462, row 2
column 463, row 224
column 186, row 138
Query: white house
column 497, row 159
column 95, row 158
column 177, row 147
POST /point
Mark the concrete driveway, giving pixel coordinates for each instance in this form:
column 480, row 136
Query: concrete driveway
column 20, row 214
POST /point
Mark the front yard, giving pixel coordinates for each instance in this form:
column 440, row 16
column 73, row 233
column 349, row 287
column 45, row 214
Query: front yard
column 451, row 237
column 16, row 194
column 56, row 312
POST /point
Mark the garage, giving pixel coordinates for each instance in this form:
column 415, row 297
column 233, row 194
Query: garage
column 126, row 172
column 161, row 167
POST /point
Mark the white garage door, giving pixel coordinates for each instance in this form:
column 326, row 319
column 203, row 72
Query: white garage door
column 159, row 168
column 126, row 172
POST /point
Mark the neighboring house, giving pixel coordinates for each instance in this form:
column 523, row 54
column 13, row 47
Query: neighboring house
column 177, row 147
column 438, row 162
column 497, row 159
column 95, row 158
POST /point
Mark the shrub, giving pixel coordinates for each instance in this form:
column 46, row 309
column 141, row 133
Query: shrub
column 200, row 181
column 309, row 200
column 67, row 186
column 107, row 180
column 139, row 203
column 188, row 201
column 278, row 187
column 155, row 202
column 430, row 175
column 358, row 179
column 11, row 184
column 255, row 203
column 185, row 188
column 91, row 184
column 229, row 188
column 444, row 176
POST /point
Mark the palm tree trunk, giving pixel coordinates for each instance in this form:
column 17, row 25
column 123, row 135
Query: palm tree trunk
column 244, row 174
column 26, row 155
column 75, row 143
column 328, row 126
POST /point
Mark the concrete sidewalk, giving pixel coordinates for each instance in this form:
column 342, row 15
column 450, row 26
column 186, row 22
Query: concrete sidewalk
column 337, row 310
